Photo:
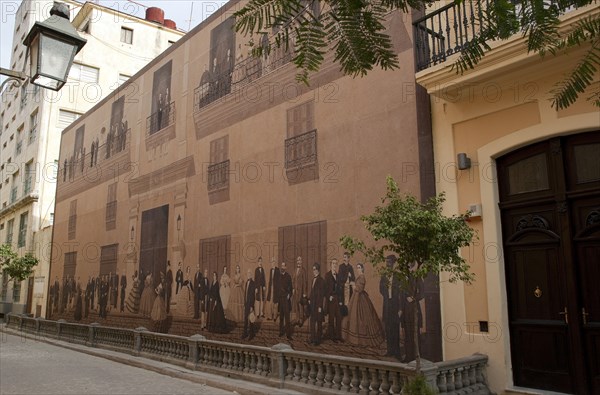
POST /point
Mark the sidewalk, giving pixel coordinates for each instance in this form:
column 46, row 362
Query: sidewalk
column 36, row 365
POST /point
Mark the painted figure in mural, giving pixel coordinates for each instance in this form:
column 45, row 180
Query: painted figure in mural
column 249, row 295
column 159, row 308
column 261, row 288
column 56, row 293
column 103, row 296
column 114, row 292
column 272, row 290
column 363, row 326
column 92, row 292
column 97, row 288
column 87, row 295
column 168, row 286
column 299, row 293
column 178, row 278
column 123, row 284
column 204, row 290
column 148, row 295
column 225, row 289
column 236, row 300
column 333, row 290
column 198, row 279
column 216, row 314
column 133, row 299
column 184, row 299
column 285, row 301
column 78, row 303
column 316, row 300
column 408, row 305
column 347, row 278
column 389, row 288
column 159, row 112
column 167, row 109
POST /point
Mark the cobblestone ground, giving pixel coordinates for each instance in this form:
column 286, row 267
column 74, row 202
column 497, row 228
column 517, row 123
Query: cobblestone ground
column 31, row 367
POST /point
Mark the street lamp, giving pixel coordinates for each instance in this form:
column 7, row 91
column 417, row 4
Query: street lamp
column 52, row 45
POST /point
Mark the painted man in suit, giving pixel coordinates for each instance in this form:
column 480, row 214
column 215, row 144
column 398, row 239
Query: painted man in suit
column 316, row 300
column 168, row 286
column 250, row 292
column 346, row 276
column 259, row 279
column 299, row 293
column 408, row 304
column 204, row 288
column 285, row 302
column 333, row 290
column 123, row 284
column 178, row 278
column 272, row 294
column 198, row 280
column 389, row 287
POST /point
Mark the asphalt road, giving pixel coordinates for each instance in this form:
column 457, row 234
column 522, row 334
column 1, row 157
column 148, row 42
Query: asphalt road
column 32, row 367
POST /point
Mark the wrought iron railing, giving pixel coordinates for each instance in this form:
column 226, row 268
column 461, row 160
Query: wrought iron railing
column 218, row 176
column 301, row 150
column 448, row 30
column 280, row 365
column 160, row 119
column 217, row 85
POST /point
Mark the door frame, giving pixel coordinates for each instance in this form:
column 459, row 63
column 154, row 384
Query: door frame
column 491, row 223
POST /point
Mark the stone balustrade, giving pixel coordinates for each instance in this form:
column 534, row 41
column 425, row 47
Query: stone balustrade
column 280, row 365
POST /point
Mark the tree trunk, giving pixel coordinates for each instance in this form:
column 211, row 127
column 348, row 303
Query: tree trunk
column 416, row 327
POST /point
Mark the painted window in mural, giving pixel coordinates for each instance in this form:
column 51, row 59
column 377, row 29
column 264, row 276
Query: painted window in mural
column 218, row 170
column 163, row 108
column 301, row 144
column 72, row 229
column 111, row 207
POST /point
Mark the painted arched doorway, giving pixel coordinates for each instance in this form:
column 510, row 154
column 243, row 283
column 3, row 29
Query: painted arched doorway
column 550, row 208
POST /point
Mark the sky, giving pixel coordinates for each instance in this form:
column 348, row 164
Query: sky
column 185, row 13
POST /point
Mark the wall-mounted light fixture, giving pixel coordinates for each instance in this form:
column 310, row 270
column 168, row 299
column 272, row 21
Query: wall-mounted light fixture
column 132, row 233
column 463, row 161
column 178, row 222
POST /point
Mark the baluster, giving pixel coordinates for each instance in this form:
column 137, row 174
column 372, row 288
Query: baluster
column 312, row 374
column 465, row 377
column 259, row 364
column 297, row 370
column 346, row 378
column 450, row 380
column 364, row 382
column 355, row 382
column 328, row 376
column 304, row 371
column 337, row 378
column 230, row 358
column 289, row 374
column 385, row 384
column 458, row 383
column 441, row 382
column 374, row 382
column 320, row 374
column 246, row 362
column 252, row 362
column 396, row 387
column 479, row 373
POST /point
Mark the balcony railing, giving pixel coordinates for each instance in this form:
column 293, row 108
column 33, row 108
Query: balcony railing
column 448, row 30
column 161, row 119
column 216, row 85
column 301, row 150
column 279, row 366
column 218, row 176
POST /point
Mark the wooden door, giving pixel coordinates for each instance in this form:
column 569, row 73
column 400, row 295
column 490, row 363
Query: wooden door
column 550, row 204
column 153, row 243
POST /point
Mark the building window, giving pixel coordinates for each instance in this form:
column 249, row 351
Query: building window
column 19, row 145
column 29, row 173
column 123, row 78
column 66, row 117
column 9, row 231
column 108, row 259
column 301, row 144
column 218, row 170
column 111, row 207
column 72, row 219
column 126, row 35
column 13, row 195
column 70, row 264
column 33, row 125
column 24, row 95
column 4, row 286
column 16, row 291
column 51, row 218
column 83, row 73
column 22, row 229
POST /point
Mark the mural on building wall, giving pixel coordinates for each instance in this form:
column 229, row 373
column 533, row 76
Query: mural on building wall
column 161, row 107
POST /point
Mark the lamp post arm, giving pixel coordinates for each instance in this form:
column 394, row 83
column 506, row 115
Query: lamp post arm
column 16, row 77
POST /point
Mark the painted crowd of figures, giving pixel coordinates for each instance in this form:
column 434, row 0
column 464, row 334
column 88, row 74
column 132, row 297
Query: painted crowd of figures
column 336, row 305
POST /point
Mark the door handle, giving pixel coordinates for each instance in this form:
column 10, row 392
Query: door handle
column 584, row 315
column 566, row 314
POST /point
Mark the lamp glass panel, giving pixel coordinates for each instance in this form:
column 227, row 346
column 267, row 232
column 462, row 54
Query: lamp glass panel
column 56, row 57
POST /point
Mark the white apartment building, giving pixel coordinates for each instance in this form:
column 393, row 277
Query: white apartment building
column 32, row 119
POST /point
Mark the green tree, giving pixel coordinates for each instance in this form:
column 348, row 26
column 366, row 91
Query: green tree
column 15, row 266
column 423, row 239
column 355, row 31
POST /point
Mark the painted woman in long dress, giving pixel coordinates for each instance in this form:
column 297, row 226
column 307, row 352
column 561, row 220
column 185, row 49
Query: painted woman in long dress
column 362, row 326
column 148, row 295
column 225, row 289
column 133, row 299
column 236, row 300
column 216, row 314
column 159, row 309
column 185, row 297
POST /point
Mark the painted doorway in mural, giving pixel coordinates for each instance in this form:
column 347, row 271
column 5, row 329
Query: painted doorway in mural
column 153, row 243
column 550, row 205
